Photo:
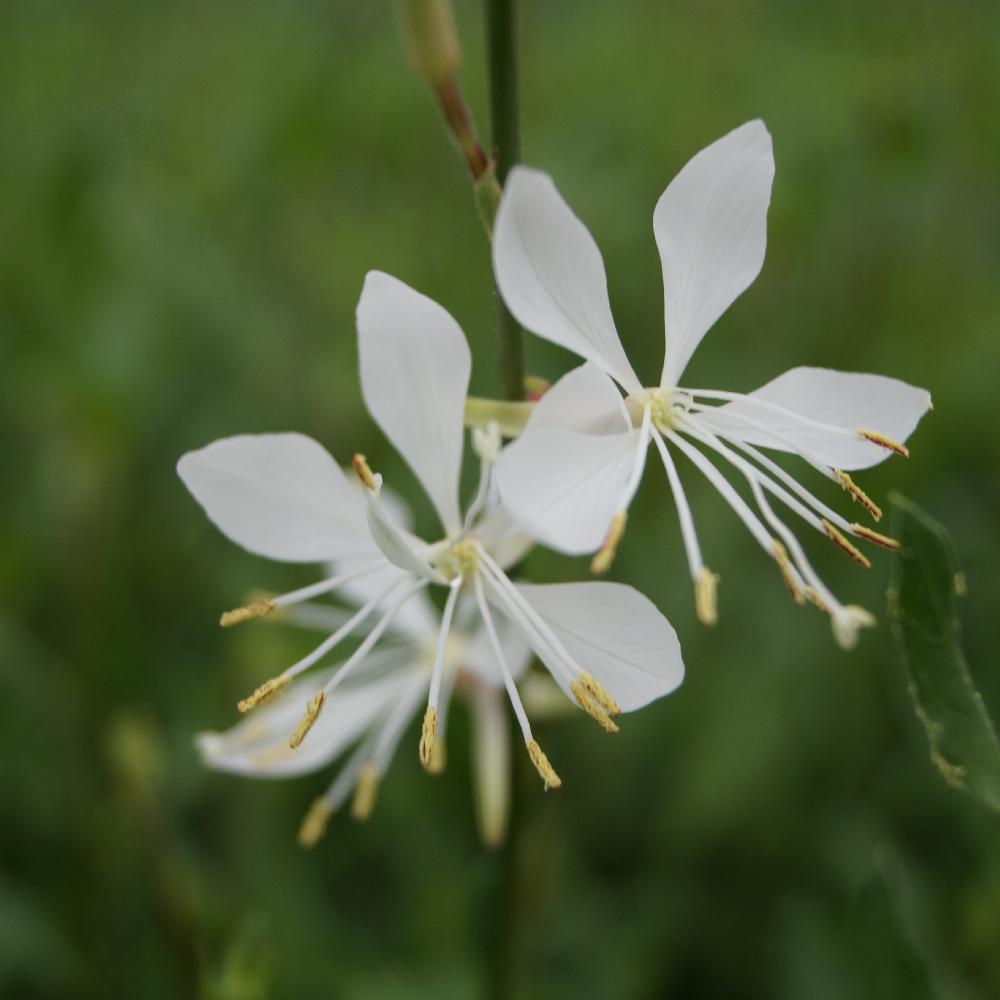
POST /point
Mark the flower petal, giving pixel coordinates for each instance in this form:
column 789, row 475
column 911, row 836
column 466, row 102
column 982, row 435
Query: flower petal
column 398, row 546
column 584, row 400
column 550, row 273
column 825, row 409
column 615, row 634
column 565, row 487
column 278, row 495
column 415, row 366
column 711, row 229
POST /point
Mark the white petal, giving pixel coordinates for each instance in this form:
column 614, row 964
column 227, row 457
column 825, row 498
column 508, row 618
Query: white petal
column 711, row 229
column 278, row 495
column 478, row 656
column 550, row 273
column 584, row 400
column 615, row 634
column 258, row 746
column 564, row 487
column 841, row 402
column 397, row 546
column 415, row 366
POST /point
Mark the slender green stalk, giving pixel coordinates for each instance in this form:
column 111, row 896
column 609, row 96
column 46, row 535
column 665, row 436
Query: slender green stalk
column 505, row 135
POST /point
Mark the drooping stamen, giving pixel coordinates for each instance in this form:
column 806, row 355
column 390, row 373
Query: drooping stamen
column 364, row 471
column 875, row 538
column 315, row 822
column 845, row 546
column 885, row 442
column 427, row 733
column 858, row 494
column 365, row 792
column 312, row 711
column 545, row 770
column 590, row 705
column 600, row 692
column 813, row 598
column 706, row 602
column 247, row 613
column 788, row 573
column 538, row 758
column 605, row 555
column 688, row 534
column 265, row 691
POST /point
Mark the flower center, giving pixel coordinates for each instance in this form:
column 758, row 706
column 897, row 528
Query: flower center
column 664, row 405
column 461, row 559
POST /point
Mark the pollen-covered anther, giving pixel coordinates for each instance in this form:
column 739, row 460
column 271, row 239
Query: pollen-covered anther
column 365, row 792
column 542, row 765
column 706, row 603
column 591, row 707
column 265, row 691
column 427, row 735
column 845, row 546
column 313, row 709
column 605, row 556
column 314, row 823
column 787, row 572
column 875, row 538
column 813, row 598
column 247, row 613
column 600, row 692
column 858, row 494
column 364, row 471
column 439, row 758
column 885, row 442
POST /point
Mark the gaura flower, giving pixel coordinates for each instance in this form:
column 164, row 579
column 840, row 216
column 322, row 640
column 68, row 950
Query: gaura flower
column 374, row 708
column 571, row 476
column 283, row 496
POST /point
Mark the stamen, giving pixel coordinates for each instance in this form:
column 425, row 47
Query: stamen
column 439, row 757
column 787, row 572
column 265, row 691
column 600, row 692
column 605, row 556
column 591, row 707
column 706, row 603
column 365, row 792
column 845, row 546
column 875, row 538
column 247, row 613
column 364, row 471
column 858, row 494
column 313, row 709
column 315, row 822
column 813, row 598
column 427, row 735
column 542, row 765
column 885, row 442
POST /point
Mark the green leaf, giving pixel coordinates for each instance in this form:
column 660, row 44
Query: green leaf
column 923, row 611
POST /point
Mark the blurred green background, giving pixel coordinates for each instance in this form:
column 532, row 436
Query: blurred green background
column 191, row 195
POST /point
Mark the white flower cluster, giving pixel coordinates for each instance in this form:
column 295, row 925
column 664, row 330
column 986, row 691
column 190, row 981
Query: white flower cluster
column 566, row 481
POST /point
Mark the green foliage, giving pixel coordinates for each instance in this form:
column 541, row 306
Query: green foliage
column 923, row 606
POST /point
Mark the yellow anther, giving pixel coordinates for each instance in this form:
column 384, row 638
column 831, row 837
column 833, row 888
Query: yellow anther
column 427, row 734
column 845, row 546
column 365, row 792
column 439, row 757
column 605, row 556
column 858, row 494
column 787, row 571
column 535, row 387
column 313, row 709
column 813, row 598
column 247, row 613
column 364, row 471
column 706, row 604
column 885, row 442
column 271, row 755
column 314, row 823
column 875, row 538
column 265, row 691
column 600, row 692
column 591, row 707
column 542, row 765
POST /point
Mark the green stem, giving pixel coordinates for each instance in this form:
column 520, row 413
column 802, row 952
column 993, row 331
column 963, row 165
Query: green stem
column 501, row 47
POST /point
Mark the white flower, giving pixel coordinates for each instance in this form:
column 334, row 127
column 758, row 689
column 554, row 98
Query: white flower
column 374, row 708
column 572, row 474
column 284, row 497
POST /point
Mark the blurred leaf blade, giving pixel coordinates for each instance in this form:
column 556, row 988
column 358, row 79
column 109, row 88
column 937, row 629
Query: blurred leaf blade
column 924, row 614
